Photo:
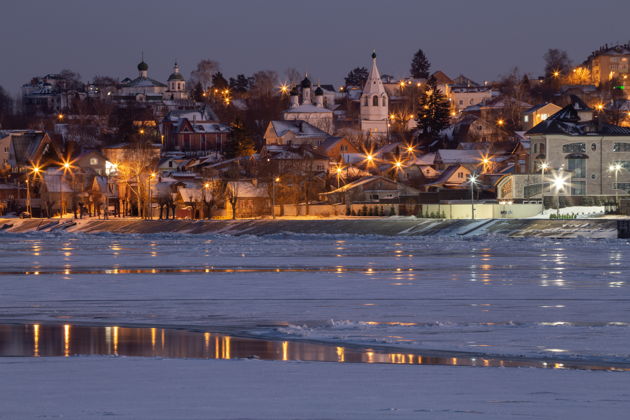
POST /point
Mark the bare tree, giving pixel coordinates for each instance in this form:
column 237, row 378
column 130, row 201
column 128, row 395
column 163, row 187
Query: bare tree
column 293, row 76
column 204, row 72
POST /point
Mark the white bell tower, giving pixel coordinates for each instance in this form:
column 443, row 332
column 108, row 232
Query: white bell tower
column 374, row 104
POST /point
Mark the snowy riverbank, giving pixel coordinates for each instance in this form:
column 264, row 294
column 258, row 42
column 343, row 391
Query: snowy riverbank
column 133, row 388
column 389, row 226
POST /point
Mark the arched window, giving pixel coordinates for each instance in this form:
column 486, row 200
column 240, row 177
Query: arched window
column 375, row 100
column 541, row 148
column 384, row 101
column 366, row 101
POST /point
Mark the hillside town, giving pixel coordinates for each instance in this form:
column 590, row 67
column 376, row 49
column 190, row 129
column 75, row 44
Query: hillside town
column 271, row 145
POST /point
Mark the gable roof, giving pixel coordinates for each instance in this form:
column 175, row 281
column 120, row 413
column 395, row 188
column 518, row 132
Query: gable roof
column 298, row 127
column 567, row 122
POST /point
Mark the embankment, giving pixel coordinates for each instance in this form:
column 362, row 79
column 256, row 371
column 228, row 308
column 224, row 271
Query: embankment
column 588, row 228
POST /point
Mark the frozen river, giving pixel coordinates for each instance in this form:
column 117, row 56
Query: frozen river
column 492, row 295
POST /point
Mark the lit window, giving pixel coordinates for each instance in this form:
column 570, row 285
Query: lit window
column 93, row 161
column 543, row 117
column 526, row 118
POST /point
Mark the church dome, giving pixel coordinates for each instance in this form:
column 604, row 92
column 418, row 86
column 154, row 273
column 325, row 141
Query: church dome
column 143, row 66
column 319, row 91
column 306, row 83
column 175, row 76
column 294, row 91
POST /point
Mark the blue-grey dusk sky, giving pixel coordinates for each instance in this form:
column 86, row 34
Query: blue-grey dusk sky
column 326, row 38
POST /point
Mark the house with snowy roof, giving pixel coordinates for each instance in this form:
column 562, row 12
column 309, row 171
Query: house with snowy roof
column 538, row 113
column 583, row 149
column 369, row 189
column 294, row 132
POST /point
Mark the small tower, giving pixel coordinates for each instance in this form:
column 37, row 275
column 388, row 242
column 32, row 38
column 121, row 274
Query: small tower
column 319, row 97
column 176, row 82
column 294, row 99
column 306, row 90
column 374, row 104
column 143, row 69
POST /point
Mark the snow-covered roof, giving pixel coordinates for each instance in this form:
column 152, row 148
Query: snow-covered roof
column 453, row 156
column 426, row 159
column 298, row 127
column 145, row 82
column 246, row 189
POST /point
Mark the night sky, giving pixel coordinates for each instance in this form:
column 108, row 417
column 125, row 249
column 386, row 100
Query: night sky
column 481, row 39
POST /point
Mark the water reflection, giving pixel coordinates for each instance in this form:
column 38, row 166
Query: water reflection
column 71, row 340
column 67, row 270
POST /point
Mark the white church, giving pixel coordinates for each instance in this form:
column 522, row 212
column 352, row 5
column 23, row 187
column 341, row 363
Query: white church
column 307, row 105
column 145, row 89
column 374, row 104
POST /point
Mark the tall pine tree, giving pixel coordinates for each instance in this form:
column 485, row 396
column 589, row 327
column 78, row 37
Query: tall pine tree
column 420, row 66
column 433, row 113
column 241, row 142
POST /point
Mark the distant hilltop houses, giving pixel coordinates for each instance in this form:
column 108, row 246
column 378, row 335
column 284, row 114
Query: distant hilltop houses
column 272, row 145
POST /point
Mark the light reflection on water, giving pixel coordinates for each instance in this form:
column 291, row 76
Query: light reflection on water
column 35, row 340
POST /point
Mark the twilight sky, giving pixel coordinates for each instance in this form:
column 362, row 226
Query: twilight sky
column 326, row 38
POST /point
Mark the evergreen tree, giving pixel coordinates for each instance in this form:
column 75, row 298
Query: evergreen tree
column 420, row 66
column 219, row 82
column 197, row 93
column 241, row 142
column 240, row 84
column 433, row 114
column 357, row 77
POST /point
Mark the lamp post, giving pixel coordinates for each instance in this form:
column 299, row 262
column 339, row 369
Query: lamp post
column 543, row 167
column 339, row 170
column 150, row 198
column 472, row 179
column 273, row 197
column 616, row 167
column 559, row 182
column 66, row 166
column 28, row 196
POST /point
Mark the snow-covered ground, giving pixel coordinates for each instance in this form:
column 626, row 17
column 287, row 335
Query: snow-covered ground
column 498, row 295
column 128, row 388
column 582, row 212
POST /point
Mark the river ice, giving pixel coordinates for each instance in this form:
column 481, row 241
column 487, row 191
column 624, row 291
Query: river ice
column 493, row 294
column 496, row 295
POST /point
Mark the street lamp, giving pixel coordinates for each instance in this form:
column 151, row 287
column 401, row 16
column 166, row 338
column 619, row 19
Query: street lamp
column 472, row 179
column 66, row 166
column 273, row 197
column 338, row 171
column 543, row 167
column 558, row 182
column 151, row 176
column 616, row 167
column 34, row 171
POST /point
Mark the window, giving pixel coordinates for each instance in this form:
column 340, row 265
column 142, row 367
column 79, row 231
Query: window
column 383, row 101
column 574, row 148
column 375, row 101
column 625, row 186
column 621, row 147
column 541, row 148
column 93, row 161
column 577, row 165
column 366, row 101
column 535, row 148
column 526, row 118
column 578, row 187
column 461, row 102
column 543, row 117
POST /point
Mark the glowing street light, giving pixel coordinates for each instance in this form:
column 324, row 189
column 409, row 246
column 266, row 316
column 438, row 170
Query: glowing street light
column 500, row 122
column 616, row 168
column 543, row 168
column 556, row 74
column 472, row 180
column 558, row 182
column 599, row 107
column 284, row 88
